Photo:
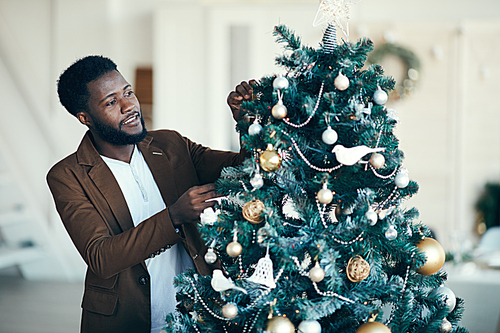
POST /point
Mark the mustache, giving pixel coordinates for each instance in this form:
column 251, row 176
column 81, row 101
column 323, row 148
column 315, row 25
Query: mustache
column 139, row 114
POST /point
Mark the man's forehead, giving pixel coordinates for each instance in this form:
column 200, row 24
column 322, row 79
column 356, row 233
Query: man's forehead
column 108, row 83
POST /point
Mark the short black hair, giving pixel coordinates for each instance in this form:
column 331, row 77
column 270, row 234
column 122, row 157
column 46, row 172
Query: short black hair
column 72, row 84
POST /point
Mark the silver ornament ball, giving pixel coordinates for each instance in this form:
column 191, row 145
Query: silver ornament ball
column 446, row 326
column 451, row 299
column 210, row 256
column 309, row 326
column 380, row 96
column 391, row 233
column 377, row 160
column 329, row 136
column 280, row 83
column 279, row 111
column 257, row 181
column 325, row 196
column 401, row 180
column 254, row 129
column 229, row 310
column 341, row 82
column 317, row 274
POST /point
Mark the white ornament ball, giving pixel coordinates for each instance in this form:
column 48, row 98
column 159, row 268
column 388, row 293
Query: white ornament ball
column 451, row 299
column 309, row 326
column 402, row 180
column 317, row 274
column 279, row 111
column 329, row 136
column 446, row 326
column 341, row 82
column 377, row 160
column 372, row 217
column 229, row 310
column 325, row 196
column 380, row 96
column 254, row 129
column 391, row 233
column 234, row 249
column 210, row 256
column 257, row 181
column 280, row 83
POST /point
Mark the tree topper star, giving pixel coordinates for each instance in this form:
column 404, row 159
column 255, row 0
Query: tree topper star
column 335, row 12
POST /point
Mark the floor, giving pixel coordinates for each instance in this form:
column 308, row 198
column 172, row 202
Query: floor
column 39, row 307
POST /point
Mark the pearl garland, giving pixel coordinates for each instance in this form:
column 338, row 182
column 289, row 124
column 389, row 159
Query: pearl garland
column 404, row 287
column 307, row 161
column 320, row 94
column 382, row 176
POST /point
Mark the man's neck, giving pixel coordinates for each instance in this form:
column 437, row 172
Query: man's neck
column 121, row 153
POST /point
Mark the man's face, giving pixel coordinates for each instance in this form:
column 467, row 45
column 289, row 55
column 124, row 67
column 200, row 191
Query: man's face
column 115, row 111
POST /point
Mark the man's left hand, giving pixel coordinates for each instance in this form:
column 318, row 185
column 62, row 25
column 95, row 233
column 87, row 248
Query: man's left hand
column 242, row 92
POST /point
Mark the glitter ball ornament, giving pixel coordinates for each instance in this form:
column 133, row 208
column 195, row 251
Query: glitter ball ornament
column 377, row 160
column 279, row 111
column 329, row 136
column 391, row 233
column 357, row 269
column 317, row 274
column 230, row 311
column 309, row 326
column 252, row 211
column 402, row 180
column 280, row 324
column 372, row 216
column 254, row 129
column 341, row 82
column 450, row 297
column 380, row 96
column 270, row 160
column 280, row 82
column 373, row 326
column 325, row 196
column 210, row 256
column 263, row 233
column 446, row 326
column 435, row 255
column 234, row 249
column 257, row 181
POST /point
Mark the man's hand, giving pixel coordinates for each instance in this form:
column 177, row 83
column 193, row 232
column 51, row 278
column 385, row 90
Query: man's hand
column 242, row 92
column 191, row 204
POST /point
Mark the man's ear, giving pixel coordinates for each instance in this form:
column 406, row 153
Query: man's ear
column 84, row 118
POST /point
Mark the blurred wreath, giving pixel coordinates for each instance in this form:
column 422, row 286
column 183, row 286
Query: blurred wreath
column 409, row 59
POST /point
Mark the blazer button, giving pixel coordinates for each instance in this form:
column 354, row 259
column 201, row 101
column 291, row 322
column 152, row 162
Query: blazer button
column 143, row 280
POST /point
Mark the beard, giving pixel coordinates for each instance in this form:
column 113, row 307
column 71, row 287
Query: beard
column 117, row 136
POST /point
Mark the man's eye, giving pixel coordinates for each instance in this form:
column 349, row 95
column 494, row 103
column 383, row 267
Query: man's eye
column 129, row 93
column 111, row 103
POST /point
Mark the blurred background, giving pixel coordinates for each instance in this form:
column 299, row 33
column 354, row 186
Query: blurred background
column 183, row 58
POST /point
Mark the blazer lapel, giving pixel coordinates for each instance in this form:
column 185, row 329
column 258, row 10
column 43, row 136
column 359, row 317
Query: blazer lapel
column 161, row 168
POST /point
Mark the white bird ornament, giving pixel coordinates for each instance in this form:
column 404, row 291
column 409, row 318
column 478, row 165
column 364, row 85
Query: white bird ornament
column 221, row 283
column 350, row 156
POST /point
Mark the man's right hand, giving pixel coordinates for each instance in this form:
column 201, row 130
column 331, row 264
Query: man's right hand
column 191, row 204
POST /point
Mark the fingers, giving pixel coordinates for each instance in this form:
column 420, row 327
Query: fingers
column 245, row 90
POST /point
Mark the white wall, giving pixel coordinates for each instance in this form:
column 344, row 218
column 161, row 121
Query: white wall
column 448, row 129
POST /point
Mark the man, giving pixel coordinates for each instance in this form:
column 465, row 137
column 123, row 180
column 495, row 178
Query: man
column 130, row 200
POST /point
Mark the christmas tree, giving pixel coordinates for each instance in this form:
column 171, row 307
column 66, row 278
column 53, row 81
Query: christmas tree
column 311, row 234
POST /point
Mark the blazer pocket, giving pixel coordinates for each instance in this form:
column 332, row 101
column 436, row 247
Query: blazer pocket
column 99, row 302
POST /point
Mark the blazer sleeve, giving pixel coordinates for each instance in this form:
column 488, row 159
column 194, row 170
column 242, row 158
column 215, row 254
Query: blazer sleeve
column 89, row 221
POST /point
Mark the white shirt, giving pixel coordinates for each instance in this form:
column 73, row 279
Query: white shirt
column 144, row 200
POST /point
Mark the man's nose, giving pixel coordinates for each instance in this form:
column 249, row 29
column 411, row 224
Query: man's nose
column 127, row 106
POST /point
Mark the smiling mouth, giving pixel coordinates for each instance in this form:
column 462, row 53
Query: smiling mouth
column 131, row 119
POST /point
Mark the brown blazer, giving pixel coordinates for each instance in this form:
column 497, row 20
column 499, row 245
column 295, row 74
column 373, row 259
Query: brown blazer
column 95, row 214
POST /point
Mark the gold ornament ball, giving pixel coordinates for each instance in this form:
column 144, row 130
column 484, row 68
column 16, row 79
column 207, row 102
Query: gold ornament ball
column 229, row 310
column 435, row 255
column 373, row 327
column 325, row 196
column 280, row 324
column 234, row 249
column 270, row 160
column 317, row 274
column 357, row 269
column 377, row 160
column 252, row 211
